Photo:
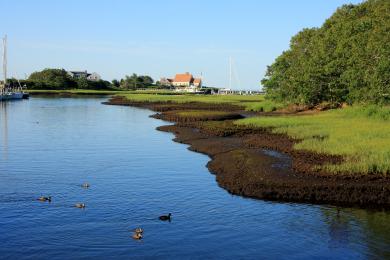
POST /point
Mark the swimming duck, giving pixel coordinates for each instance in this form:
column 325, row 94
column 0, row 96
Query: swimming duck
column 139, row 230
column 85, row 185
column 80, row 205
column 137, row 236
column 43, row 198
column 165, row 217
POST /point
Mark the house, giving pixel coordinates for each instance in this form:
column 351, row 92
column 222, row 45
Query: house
column 198, row 83
column 94, row 77
column 84, row 74
column 166, row 82
column 183, row 82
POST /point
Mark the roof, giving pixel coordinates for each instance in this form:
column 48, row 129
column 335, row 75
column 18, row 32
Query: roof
column 165, row 80
column 79, row 72
column 186, row 77
column 197, row 80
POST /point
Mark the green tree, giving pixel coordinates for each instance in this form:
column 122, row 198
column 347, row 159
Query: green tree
column 51, row 79
column 135, row 82
column 82, row 83
column 115, row 83
column 345, row 60
column 145, row 81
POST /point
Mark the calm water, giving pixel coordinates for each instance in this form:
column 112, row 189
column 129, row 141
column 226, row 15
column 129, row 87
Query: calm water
column 49, row 146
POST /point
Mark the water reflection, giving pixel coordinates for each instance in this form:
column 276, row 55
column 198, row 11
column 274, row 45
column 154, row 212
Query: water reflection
column 338, row 226
column 4, row 129
column 376, row 229
column 348, row 227
column 136, row 174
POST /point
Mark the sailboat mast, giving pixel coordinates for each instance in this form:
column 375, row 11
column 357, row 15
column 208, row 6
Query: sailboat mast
column 230, row 72
column 5, row 59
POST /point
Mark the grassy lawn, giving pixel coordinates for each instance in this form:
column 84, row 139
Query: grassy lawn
column 361, row 134
column 250, row 103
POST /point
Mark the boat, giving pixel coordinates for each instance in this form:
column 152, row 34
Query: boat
column 8, row 92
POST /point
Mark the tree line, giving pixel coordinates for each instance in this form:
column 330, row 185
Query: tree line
column 60, row 79
column 347, row 59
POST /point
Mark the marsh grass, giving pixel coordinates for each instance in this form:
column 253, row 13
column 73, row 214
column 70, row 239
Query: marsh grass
column 361, row 134
column 250, row 103
column 263, row 106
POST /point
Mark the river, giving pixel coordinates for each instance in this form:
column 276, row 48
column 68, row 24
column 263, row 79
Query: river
column 50, row 146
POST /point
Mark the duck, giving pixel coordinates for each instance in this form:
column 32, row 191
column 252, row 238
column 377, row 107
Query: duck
column 43, row 198
column 139, row 230
column 85, row 185
column 165, row 217
column 137, row 236
column 80, row 205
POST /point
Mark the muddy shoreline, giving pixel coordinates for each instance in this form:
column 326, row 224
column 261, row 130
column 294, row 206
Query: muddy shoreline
column 259, row 164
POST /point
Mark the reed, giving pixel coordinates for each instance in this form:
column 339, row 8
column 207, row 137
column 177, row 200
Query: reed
column 361, row 134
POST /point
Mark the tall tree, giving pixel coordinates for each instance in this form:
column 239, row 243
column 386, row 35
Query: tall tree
column 347, row 59
column 51, row 79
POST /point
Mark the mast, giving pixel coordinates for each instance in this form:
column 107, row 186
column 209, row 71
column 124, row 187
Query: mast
column 230, row 72
column 4, row 61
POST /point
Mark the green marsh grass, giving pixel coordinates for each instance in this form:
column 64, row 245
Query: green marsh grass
column 360, row 134
column 250, row 103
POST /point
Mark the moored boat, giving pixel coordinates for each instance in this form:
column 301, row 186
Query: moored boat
column 9, row 92
column 8, row 95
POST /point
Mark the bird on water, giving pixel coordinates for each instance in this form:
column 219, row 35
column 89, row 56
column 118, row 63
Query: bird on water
column 139, row 230
column 43, row 198
column 137, row 236
column 85, row 185
column 165, row 217
column 80, row 205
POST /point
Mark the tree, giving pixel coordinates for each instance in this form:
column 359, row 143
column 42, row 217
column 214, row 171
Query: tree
column 146, row 81
column 82, row 83
column 51, row 79
column 115, row 83
column 345, row 60
column 135, row 82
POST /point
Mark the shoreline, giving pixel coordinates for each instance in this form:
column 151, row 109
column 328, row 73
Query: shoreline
column 72, row 93
column 259, row 164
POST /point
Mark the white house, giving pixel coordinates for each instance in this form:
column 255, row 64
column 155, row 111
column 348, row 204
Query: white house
column 84, row 74
column 94, row 76
column 184, row 82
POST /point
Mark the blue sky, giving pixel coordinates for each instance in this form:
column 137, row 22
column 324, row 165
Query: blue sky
column 157, row 38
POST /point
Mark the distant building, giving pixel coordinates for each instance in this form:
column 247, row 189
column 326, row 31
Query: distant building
column 166, row 82
column 94, row 76
column 84, row 74
column 198, row 83
column 183, row 82
column 228, row 91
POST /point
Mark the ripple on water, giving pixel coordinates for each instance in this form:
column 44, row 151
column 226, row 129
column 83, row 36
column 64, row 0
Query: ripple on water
column 137, row 174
